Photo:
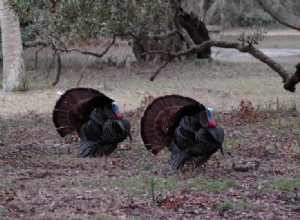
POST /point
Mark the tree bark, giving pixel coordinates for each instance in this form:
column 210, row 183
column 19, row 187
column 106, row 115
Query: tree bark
column 14, row 77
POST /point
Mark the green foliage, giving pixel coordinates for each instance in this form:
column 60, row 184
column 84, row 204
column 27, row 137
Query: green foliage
column 224, row 207
column 90, row 19
column 147, row 166
column 253, row 38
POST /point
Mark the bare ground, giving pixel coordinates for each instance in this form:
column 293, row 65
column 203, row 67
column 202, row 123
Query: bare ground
column 42, row 177
column 258, row 177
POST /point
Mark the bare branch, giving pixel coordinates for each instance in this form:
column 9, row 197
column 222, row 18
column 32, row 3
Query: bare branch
column 83, row 69
column 35, row 43
column 99, row 55
column 269, row 11
column 242, row 48
column 58, row 69
column 159, row 69
column 162, row 36
column 289, row 81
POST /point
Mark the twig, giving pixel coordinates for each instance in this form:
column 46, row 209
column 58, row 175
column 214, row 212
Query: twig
column 35, row 43
column 98, row 55
column 159, row 69
column 51, row 64
column 83, row 69
column 58, row 69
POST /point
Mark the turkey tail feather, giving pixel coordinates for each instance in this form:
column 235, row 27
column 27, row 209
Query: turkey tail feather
column 63, row 105
column 87, row 148
column 158, row 119
column 90, row 148
column 179, row 159
column 198, row 161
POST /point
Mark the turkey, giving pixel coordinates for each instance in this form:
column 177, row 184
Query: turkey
column 186, row 127
column 94, row 117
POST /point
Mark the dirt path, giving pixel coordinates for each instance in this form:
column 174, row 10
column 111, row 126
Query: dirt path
column 236, row 56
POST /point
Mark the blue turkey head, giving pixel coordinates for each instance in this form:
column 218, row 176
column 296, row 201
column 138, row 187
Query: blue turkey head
column 210, row 117
column 115, row 108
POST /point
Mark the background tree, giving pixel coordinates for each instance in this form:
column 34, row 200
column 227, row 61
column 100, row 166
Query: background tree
column 285, row 12
column 14, row 77
column 61, row 20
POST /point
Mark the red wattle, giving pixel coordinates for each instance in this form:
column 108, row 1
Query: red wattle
column 119, row 116
column 212, row 124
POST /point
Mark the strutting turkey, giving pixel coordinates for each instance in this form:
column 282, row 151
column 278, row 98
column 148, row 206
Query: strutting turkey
column 186, row 127
column 96, row 119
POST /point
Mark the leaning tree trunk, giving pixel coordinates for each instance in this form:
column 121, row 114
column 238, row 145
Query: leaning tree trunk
column 13, row 62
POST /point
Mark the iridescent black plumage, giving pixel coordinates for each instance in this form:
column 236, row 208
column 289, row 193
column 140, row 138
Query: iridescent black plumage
column 192, row 140
column 182, row 125
column 94, row 117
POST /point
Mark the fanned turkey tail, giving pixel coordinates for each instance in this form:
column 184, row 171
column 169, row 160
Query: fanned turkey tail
column 158, row 119
column 66, row 109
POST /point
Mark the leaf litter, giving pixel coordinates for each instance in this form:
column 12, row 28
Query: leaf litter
column 43, row 177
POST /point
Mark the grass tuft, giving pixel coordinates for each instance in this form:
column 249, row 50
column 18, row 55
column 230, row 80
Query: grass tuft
column 287, row 185
column 224, row 207
column 152, row 190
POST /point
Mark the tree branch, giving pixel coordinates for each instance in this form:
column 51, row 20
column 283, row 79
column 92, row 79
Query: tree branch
column 269, row 11
column 58, row 69
column 159, row 69
column 289, row 81
column 35, row 43
column 99, row 55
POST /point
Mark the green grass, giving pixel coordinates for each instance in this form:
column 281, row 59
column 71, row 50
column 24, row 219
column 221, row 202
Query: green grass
column 147, row 166
column 210, row 185
column 152, row 191
column 217, row 186
column 287, row 184
column 224, row 207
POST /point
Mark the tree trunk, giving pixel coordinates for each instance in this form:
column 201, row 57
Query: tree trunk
column 14, row 77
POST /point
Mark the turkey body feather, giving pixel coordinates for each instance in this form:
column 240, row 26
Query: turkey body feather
column 94, row 117
column 182, row 125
